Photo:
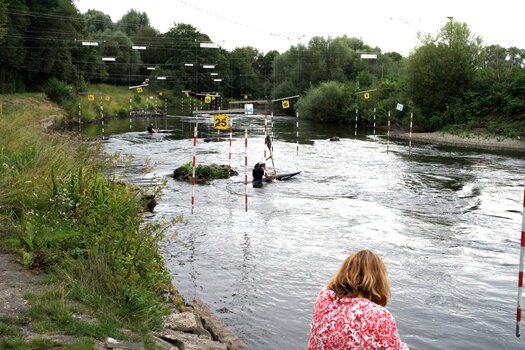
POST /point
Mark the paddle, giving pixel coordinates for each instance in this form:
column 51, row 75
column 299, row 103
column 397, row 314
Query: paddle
column 268, row 143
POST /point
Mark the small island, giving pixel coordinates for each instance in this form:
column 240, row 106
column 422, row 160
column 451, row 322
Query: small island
column 203, row 172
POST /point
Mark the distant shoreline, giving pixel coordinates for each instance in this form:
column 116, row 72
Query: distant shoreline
column 472, row 142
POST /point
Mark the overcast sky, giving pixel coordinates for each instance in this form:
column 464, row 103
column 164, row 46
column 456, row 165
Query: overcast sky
column 279, row 24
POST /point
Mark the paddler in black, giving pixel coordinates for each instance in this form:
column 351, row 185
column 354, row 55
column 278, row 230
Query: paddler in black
column 151, row 129
column 258, row 172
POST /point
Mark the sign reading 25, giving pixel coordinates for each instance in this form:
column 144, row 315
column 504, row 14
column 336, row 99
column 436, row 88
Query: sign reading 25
column 220, row 121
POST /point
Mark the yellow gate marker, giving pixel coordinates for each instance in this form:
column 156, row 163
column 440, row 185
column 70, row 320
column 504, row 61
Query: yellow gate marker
column 220, row 121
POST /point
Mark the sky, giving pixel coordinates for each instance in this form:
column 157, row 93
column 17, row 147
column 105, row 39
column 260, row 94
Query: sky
column 280, row 24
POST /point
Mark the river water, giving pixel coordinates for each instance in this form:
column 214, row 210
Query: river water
column 446, row 221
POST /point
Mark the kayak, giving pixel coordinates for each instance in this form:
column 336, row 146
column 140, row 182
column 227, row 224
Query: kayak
column 284, row 176
column 278, row 176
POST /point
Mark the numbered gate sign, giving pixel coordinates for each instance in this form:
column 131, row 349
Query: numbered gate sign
column 366, row 95
column 207, row 99
column 286, row 104
column 139, row 90
column 107, row 98
column 220, row 121
column 91, row 97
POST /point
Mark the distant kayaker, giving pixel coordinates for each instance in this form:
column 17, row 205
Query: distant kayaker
column 152, row 130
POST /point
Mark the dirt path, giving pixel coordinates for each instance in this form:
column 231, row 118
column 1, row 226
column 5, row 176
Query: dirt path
column 15, row 280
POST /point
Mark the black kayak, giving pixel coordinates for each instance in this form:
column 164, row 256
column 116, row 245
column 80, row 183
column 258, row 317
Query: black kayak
column 278, row 176
column 284, row 176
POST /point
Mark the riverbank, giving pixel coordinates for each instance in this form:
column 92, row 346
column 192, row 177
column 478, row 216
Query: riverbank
column 101, row 280
column 471, row 141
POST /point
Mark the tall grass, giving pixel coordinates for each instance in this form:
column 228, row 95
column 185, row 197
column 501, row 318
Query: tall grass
column 70, row 219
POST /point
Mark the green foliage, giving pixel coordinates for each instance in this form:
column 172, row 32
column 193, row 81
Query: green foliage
column 207, row 172
column 58, row 91
column 443, row 68
column 326, row 102
column 85, row 228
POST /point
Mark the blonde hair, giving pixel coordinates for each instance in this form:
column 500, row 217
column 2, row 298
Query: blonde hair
column 363, row 274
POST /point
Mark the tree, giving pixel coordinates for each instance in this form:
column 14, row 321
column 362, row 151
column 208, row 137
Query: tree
column 97, row 22
column 132, row 22
column 3, row 19
column 13, row 53
column 442, row 69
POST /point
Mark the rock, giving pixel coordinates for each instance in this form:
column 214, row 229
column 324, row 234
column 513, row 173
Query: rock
column 334, row 138
column 217, row 327
column 189, row 341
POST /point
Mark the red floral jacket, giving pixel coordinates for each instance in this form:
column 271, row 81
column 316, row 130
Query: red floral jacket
column 352, row 323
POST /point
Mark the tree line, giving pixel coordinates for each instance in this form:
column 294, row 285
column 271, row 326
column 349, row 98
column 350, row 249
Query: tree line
column 450, row 79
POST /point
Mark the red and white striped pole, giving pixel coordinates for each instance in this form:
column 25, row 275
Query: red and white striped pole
column 193, row 164
column 388, row 133
column 265, row 136
column 245, row 169
column 297, row 134
column 230, row 149
column 355, row 125
column 410, row 134
column 520, row 274
column 374, row 123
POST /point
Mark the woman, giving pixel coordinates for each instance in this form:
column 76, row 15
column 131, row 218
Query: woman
column 349, row 312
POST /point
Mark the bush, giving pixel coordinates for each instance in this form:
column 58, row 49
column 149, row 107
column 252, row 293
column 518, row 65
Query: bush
column 58, row 91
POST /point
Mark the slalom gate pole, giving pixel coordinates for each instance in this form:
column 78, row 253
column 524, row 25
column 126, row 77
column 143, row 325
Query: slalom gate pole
column 388, row 133
column 193, row 164
column 265, row 136
column 230, row 147
column 374, row 123
column 355, row 124
column 245, row 169
column 102, row 117
column 271, row 148
column 130, row 112
column 520, row 274
column 79, row 117
column 410, row 134
column 297, row 134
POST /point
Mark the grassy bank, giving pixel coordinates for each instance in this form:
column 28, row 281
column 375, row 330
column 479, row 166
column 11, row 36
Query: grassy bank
column 115, row 101
column 60, row 213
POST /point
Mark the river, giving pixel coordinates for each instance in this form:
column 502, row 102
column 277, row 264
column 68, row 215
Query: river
column 446, row 221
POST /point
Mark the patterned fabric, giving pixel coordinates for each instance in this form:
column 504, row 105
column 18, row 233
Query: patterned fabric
column 352, row 323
